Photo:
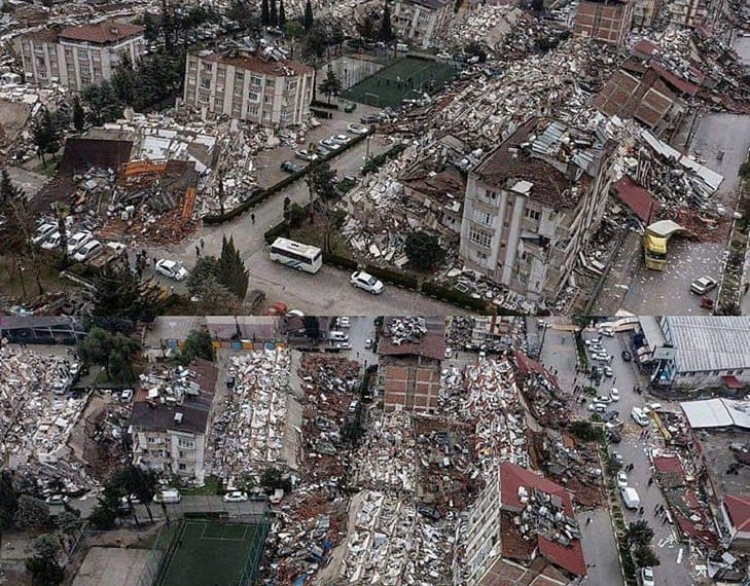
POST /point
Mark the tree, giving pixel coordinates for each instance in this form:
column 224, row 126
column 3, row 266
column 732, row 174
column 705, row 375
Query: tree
column 46, row 546
column 640, row 533
column 44, row 571
column 32, row 513
column 367, row 27
column 274, row 14
column 45, row 134
column 294, row 29
column 102, row 103
column 265, row 15
column 115, row 352
column 125, row 81
column 120, row 294
column 583, row 430
column 322, row 181
column 197, row 345
column 241, row 12
column 8, row 502
column 69, row 523
column 151, row 25
column 645, row 557
column 204, row 269
column 308, row 19
column 423, row 250
column 331, row 85
column 231, row 271
column 79, row 116
column 103, row 515
column 282, row 15
column 386, row 29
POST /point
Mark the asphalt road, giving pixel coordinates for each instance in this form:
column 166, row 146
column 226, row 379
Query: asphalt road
column 326, row 293
column 599, row 544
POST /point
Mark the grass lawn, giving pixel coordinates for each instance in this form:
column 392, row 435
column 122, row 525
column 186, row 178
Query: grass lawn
column 211, row 487
column 211, row 553
column 406, row 78
column 49, row 167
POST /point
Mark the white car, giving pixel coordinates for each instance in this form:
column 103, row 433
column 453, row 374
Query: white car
column 57, row 500
column 340, row 139
column 328, row 144
column 703, row 285
column 647, row 577
column 235, row 496
column 77, row 240
column 598, row 407
column 355, row 128
column 614, row 394
column 44, row 231
column 306, row 155
column 608, row 372
column 52, row 241
column 622, row 479
column 343, row 322
column 168, row 496
column 367, row 282
column 91, row 249
column 171, row 269
column 603, row 399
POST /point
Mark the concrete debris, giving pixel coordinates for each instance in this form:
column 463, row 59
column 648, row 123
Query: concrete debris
column 407, row 329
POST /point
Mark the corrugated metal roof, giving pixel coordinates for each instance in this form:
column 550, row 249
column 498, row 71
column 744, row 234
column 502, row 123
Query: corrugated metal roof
column 717, row 413
column 708, row 343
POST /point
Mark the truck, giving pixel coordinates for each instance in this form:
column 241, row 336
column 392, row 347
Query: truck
column 630, row 497
column 112, row 251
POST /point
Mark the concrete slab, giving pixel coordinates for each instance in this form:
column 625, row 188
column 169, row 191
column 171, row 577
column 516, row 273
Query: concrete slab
column 112, row 567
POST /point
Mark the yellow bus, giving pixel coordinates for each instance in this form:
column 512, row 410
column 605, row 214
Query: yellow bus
column 655, row 251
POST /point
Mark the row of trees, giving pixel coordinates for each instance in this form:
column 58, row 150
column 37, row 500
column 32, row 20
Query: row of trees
column 271, row 15
column 220, row 282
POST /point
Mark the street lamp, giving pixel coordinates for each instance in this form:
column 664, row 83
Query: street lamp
column 23, row 282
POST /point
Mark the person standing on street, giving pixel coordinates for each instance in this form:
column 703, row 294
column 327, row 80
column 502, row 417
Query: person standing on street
column 252, row 219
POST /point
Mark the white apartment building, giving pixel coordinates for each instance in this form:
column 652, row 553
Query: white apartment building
column 77, row 57
column 273, row 93
column 420, row 20
column 533, row 205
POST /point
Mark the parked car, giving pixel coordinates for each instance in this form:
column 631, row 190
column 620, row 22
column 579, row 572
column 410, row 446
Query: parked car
column 626, row 356
column 168, row 496
column 647, row 577
column 327, row 143
column 52, row 241
column 171, row 269
column 609, row 332
column 77, row 240
column 321, row 151
column 603, row 399
column 91, row 249
column 598, row 407
column 369, row 344
column 350, row 107
column 622, row 479
column 291, row 167
column 355, row 128
column 43, row 232
column 58, row 500
column 617, row 457
column 370, row 119
column 610, row 416
column 126, row 396
column 703, row 285
column 236, row 496
column 614, row 436
column 367, row 282
column 608, row 372
column 306, row 155
column 343, row 322
column 614, row 394
column 340, row 139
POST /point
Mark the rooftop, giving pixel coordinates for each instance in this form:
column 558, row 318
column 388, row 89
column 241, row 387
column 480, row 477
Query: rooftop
column 709, row 343
column 168, row 392
column 103, row 33
column 399, row 339
column 738, row 507
column 639, row 200
column 282, row 68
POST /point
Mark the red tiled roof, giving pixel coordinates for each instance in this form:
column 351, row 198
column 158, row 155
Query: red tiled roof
column 638, row 199
column 569, row 557
column 646, row 47
column 527, row 365
column 104, row 32
column 738, row 507
column 668, row 465
column 681, row 85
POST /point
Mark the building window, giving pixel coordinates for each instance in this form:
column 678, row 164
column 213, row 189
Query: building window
column 253, row 96
column 267, row 100
column 291, row 85
column 183, row 466
column 186, row 443
column 491, row 195
column 480, row 238
column 532, row 214
column 286, row 115
column 482, row 217
column 207, row 67
column 270, row 83
column 255, row 80
column 206, row 83
column 253, row 111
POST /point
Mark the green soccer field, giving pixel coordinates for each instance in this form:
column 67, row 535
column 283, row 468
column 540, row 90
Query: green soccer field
column 406, row 78
column 214, row 554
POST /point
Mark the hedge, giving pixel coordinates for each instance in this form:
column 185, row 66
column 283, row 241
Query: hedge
column 454, row 297
column 393, row 277
column 326, row 105
column 322, row 113
column 343, row 262
column 275, row 232
column 274, row 189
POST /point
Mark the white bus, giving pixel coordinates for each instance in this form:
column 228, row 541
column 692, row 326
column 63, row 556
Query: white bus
column 302, row 257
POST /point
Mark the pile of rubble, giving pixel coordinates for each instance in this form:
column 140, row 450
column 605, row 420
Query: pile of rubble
column 37, row 417
column 251, row 429
column 408, row 330
column 485, row 24
column 460, row 331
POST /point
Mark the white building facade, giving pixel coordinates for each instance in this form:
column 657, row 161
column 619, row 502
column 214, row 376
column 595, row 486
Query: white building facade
column 420, row 20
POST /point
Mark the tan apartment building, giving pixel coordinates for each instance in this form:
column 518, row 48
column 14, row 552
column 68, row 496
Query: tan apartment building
column 532, row 206
column 418, row 21
column 244, row 86
column 644, row 12
column 170, row 419
column 695, row 13
column 79, row 56
column 608, row 21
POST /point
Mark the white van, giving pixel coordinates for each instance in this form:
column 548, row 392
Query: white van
column 168, row 496
column 639, row 416
column 335, row 336
column 630, row 497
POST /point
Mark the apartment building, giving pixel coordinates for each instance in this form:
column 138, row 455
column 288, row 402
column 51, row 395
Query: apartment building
column 533, row 205
column 522, row 524
column 420, row 20
column 170, row 419
column 245, row 86
column 608, row 21
column 695, row 13
column 79, row 56
column 644, row 12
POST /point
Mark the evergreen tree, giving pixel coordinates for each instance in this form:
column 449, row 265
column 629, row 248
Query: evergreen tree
column 282, row 16
column 124, row 81
column 8, row 502
column 423, row 250
column 44, row 571
column 274, row 15
column 386, row 29
column 231, row 270
column 265, row 16
column 45, row 134
column 308, row 21
column 79, row 117
column 331, row 85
